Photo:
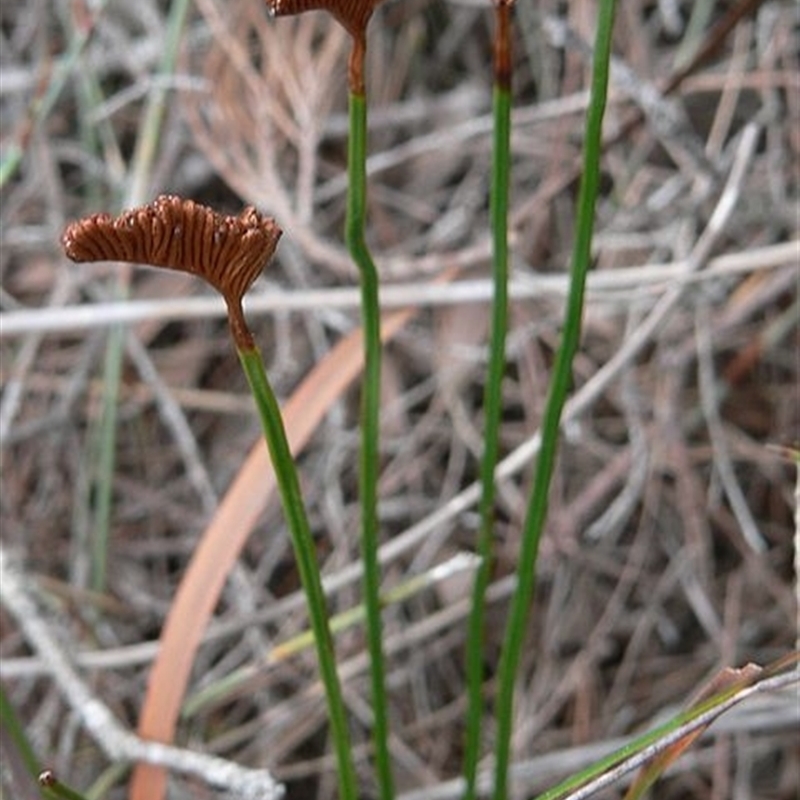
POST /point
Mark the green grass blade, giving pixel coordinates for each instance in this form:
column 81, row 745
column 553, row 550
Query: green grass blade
column 369, row 463
column 303, row 544
column 516, row 625
column 586, row 783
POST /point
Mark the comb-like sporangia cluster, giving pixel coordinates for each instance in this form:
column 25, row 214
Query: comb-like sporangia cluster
column 353, row 15
column 229, row 252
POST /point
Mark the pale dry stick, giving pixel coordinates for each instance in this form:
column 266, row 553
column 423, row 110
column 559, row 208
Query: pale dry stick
column 13, row 389
column 730, row 91
column 762, row 80
column 612, row 520
column 129, row 95
column 649, row 278
column 307, row 151
column 709, row 400
column 776, row 49
column 176, row 421
column 112, row 658
column 144, row 652
column 116, row 742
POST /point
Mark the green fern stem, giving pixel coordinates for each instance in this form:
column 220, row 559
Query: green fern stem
column 304, row 550
column 370, row 421
column 516, row 625
column 492, row 396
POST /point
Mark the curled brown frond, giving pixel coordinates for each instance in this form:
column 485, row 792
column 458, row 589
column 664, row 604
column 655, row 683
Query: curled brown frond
column 229, row 252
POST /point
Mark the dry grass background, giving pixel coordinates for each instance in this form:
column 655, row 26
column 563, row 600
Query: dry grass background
column 668, row 553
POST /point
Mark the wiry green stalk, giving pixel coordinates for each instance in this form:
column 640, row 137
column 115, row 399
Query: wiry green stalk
column 516, row 625
column 369, row 463
column 492, row 396
column 303, row 545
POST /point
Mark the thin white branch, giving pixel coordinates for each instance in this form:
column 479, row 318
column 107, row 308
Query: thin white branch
column 175, row 419
column 709, row 399
column 526, row 285
column 116, row 742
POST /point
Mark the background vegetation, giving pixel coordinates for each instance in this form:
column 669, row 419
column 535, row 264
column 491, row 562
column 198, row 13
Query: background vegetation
column 668, row 552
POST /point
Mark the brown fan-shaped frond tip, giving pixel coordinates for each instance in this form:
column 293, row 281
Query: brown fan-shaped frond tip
column 353, row 15
column 229, row 252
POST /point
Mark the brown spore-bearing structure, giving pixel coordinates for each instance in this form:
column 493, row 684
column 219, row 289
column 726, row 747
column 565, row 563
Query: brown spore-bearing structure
column 352, row 15
column 227, row 251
